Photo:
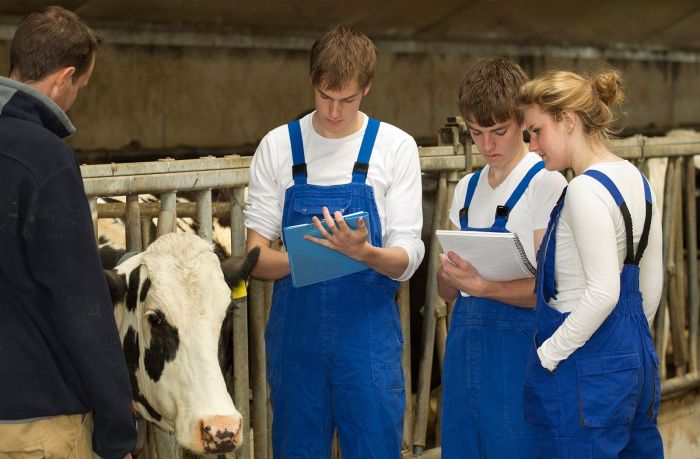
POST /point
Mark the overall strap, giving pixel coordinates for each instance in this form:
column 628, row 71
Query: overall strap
column 544, row 282
column 298, row 160
column 644, row 239
column 464, row 212
column 502, row 212
column 626, row 217
column 359, row 171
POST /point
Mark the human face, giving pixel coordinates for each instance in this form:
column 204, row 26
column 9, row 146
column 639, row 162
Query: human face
column 501, row 145
column 548, row 137
column 337, row 112
column 68, row 88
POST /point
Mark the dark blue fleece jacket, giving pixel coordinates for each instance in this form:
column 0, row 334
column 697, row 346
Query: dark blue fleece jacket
column 59, row 346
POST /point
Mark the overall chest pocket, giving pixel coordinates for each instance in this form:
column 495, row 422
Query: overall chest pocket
column 304, row 209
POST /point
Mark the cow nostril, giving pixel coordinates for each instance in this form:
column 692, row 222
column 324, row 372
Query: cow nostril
column 220, row 435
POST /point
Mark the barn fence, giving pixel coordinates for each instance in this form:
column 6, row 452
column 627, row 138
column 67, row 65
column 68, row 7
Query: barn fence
column 668, row 161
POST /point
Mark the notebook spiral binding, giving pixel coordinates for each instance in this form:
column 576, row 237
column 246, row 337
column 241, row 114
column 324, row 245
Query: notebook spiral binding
column 523, row 255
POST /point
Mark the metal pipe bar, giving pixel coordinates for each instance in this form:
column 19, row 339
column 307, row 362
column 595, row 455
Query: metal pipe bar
column 660, row 320
column 679, row 385
column 241, row 383
column 133, row 224
column 152, row 209
column 256, row 297
column 165, row 165
column 94, row 215
column 204, row 217
column 146, row 239
column 405, row 316
column 426, row 363
column 159, row 183
column 691, row 231
column 167, row 214
column 676, row 300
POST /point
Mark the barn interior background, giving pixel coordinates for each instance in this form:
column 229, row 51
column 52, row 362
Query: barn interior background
column 185, row 79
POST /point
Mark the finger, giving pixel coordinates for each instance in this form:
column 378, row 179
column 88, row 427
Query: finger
column 340, row 221
column 329, row 219
column 457, row 260
column 319, row 226
column 361, row 224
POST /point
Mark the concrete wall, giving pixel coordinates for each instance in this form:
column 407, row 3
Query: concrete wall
column 163, row 97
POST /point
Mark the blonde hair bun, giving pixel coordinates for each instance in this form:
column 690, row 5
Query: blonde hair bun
column 607, row 85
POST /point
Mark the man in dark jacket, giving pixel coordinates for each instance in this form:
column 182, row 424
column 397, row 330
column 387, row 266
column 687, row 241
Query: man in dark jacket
column 61, row 363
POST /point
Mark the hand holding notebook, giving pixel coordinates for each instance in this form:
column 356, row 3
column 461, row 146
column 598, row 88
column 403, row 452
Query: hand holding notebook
column 311, row 262
column 495, row 256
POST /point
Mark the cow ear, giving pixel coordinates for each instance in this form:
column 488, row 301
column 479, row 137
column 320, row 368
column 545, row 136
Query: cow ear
column 117, row 285
column 239, row 267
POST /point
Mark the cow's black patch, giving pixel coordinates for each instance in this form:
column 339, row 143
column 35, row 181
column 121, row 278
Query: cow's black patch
column 132, row 354
column 226, row 348
column 133, row 289
column 116, row 284
column 165, row 341
column 144, row 289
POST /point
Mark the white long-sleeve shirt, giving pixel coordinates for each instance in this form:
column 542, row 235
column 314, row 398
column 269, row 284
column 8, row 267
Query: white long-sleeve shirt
column 394, row 174
column 532, row 211
column 590, row 251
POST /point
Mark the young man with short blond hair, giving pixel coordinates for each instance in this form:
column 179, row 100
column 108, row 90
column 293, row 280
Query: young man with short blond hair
column 334, row 348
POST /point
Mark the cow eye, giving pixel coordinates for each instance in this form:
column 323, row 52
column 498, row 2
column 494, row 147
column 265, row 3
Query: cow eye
column 153, row 318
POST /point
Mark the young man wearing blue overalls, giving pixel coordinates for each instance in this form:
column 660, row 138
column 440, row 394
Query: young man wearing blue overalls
column 493, row 322
column 334, row 348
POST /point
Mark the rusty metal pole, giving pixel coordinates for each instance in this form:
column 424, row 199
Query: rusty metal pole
column 133, row 223
column 676, row 299
column 92, row 202
column 660, row 321
column 204, row 217
column 241, row 383
column 168, row 214
column 431, row 299
column 692, row 260
column 256, row 296
column 405, row 315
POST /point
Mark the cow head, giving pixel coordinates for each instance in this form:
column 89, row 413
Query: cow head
column 170, row 306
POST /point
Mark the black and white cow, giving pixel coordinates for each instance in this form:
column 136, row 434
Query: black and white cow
column 171, row 302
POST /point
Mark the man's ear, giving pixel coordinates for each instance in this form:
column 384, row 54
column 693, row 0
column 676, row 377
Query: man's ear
column 60, row 78
column 366, row 90
column 64, row 75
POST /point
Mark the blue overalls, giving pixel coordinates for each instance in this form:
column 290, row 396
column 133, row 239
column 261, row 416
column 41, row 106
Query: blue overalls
column 334, row 348
column 602, row 401
column 485, row 357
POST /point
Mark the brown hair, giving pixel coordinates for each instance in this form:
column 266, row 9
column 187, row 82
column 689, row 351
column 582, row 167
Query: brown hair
column 51, row 39
column 489, row 92
column 592, row 99
column 340, row 56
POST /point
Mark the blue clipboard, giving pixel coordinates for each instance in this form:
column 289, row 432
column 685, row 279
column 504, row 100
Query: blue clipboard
column 310, row 262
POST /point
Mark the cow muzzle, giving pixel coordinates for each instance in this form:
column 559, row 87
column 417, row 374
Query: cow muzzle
column 220, row 434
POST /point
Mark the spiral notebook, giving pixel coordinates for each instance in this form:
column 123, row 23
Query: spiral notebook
column 495, row 256
column 310, row 263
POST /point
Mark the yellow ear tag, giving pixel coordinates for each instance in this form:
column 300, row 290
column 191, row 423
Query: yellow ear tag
column 239, row 291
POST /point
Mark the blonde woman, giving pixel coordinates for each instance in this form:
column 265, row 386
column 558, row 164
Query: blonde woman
column 592, row 385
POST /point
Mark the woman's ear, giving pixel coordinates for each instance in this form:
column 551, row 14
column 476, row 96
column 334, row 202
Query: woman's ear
column 569, row 119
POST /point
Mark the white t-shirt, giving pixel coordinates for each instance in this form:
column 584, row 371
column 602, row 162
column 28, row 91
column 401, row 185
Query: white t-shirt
column 394, row 174
column 529, row 214
column 590, row 251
